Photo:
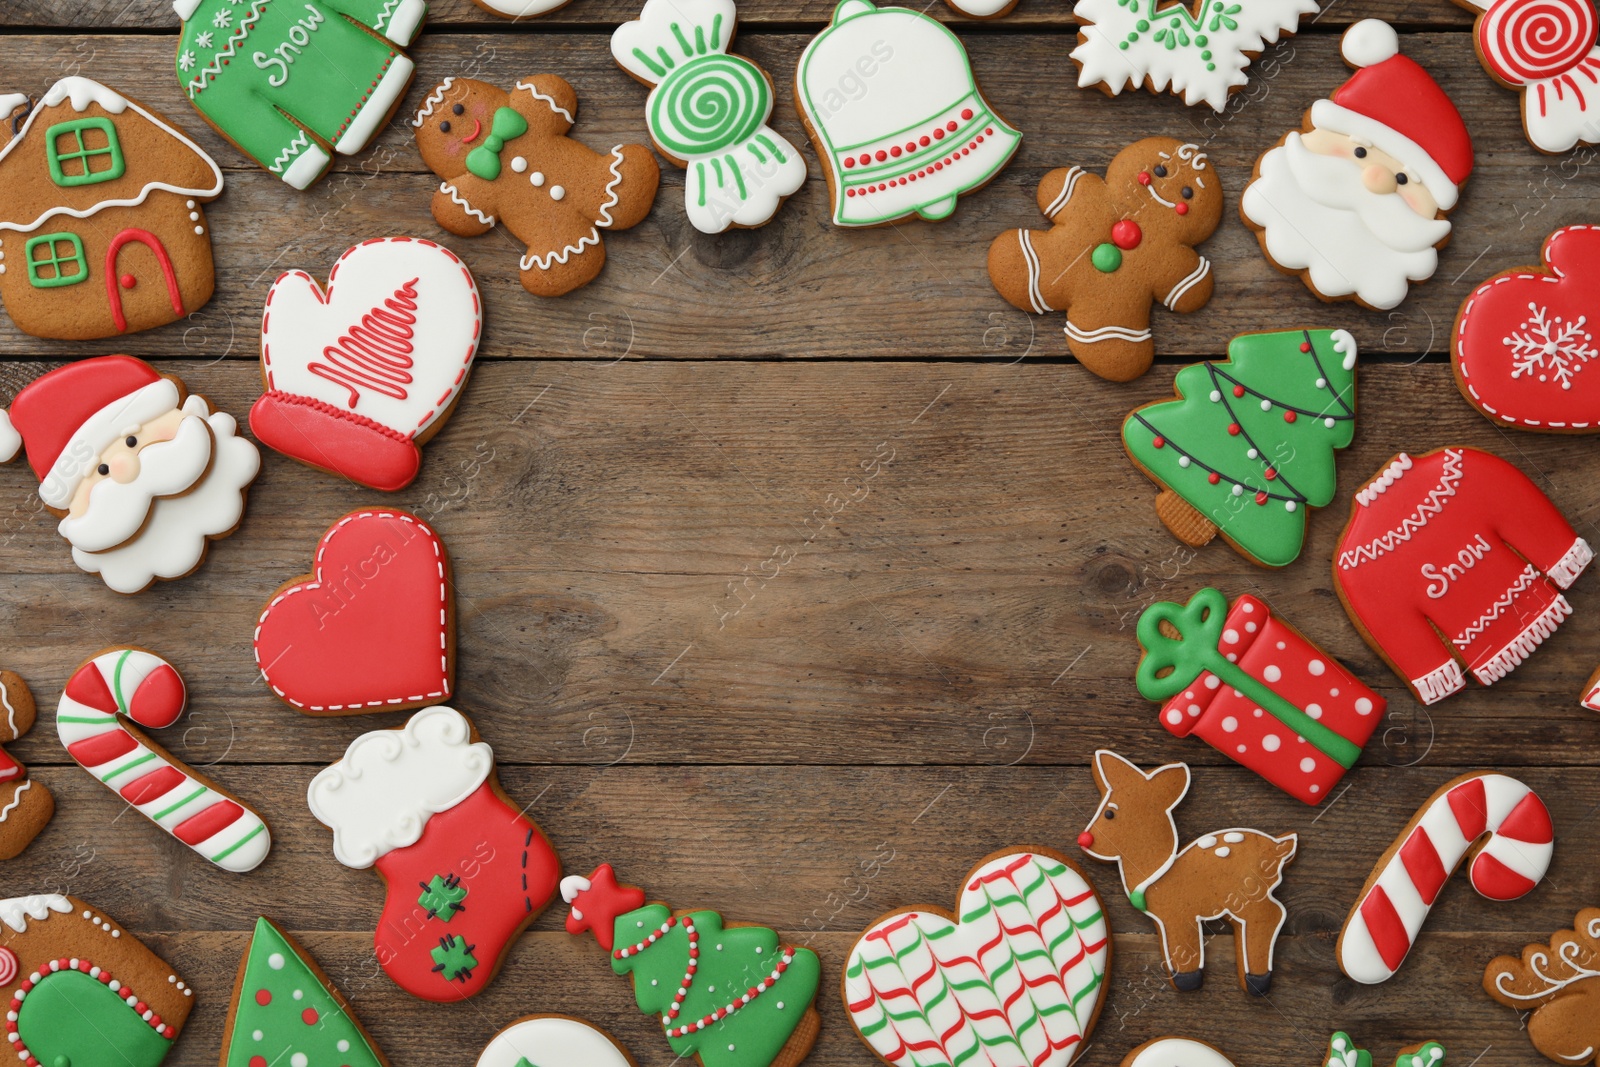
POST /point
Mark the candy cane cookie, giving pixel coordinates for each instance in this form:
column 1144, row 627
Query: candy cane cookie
column 127, row 684
column 1497, row 822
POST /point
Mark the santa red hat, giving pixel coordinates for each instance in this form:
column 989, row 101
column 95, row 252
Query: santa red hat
column 1395, row 106
column 71, row 415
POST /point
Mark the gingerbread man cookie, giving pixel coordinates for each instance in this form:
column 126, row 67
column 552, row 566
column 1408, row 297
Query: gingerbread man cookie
column 25, row 805
column 506, row 156
column 1116, row 245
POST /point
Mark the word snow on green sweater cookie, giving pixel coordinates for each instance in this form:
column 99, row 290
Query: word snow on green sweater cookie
column 285, row 80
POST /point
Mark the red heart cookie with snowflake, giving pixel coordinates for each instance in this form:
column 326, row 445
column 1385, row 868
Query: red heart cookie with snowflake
column 372, row 628
column 1525, row 340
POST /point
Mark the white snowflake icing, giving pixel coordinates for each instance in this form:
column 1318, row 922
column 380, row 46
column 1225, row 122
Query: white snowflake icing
column 1550, row 347
column 222, row 20
column 186, row 61
column 203, row 39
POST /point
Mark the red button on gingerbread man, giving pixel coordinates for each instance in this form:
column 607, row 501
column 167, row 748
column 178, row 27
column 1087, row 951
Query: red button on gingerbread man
column 1118, row 244
column 507, row 156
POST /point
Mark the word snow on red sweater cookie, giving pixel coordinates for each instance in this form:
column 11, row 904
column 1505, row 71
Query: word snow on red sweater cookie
column 1455, row 558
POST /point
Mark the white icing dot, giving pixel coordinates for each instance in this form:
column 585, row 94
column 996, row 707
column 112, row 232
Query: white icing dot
column 1194, row 709
column 1316, row 789
column 199, row 229
column 1175, row 717
column 1314, row 710
column 1229, row 724
column 258, row 1035
column 1322, row 383
column 1231, row 636
column 1333, row 692
column 1238, row 490
column 194, row 216
column 1266, row 405
column 1258, row 713
column 1363, row 706
column 299, row 1060
column 1233, row 838
column 188, row 203
column 730, row 1048
column 1240, row 750
column 275, row 961
column 519, row 164
column 1183, row 461
column 1271, row 742
column 1216, row 396
column 1328, row 423
column 655, row 981
column 1250, row 626
column 1271, row 673
column 1316, row 666
column 780, row 1005
column 537, row 178
column 343, row 1046
column 1233, row 657
column 299, row 994
column 1308, row 764
column 1253, row 454
column 1222, row 853
column 556, row 192
column 1212, row 681
column 1281, row 646
column 1249, row 608
column 1208, row 841
column 719, row 948
column 1289, row 505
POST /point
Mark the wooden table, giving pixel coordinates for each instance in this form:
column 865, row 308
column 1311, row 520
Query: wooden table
column 926, row 679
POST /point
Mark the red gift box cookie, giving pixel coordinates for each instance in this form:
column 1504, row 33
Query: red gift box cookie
column 1252, row 687
column 1454, row 562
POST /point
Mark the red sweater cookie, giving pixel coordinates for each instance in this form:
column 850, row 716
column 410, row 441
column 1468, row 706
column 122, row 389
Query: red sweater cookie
column 1455, row 558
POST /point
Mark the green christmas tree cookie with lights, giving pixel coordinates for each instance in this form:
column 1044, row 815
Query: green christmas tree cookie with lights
column 1248, row 446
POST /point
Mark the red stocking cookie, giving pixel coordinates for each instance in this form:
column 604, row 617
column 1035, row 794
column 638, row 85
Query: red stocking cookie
column 371, row 628
column 1495, row 821
column 103, row 223
column 25, row 805
column 83, row 991
column 109, row 693
column 506, row 156
column 1455, row 559
column 1226, row 873
column 1524, row 337
column 1016, row 974
column 143, row 475
column 1354, row 202
column 1560, row 983
column 362, row 373
column 465, row 871
column 1116, row 245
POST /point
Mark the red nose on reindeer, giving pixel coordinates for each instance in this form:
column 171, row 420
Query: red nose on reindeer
column 1086, row 840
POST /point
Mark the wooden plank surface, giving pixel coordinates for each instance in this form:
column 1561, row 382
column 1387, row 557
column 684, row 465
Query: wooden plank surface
column 811, row 743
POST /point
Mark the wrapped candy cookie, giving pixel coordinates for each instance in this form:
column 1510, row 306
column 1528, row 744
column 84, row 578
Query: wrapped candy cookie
column 1252, row 687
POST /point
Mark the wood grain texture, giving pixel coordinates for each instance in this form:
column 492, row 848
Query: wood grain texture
column 795, row 569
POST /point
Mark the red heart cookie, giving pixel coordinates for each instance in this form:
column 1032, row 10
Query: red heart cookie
column 372, row 628
column 1525, row 337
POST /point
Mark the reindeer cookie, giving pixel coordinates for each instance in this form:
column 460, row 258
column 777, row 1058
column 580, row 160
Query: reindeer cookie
column 1117, row 245
column 1560, row 983
column 1226, row 873
column 507, row 156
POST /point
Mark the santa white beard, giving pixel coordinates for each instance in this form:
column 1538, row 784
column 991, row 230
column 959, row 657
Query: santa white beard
column 173, row 542
column 1316, row 216
column 116, row 511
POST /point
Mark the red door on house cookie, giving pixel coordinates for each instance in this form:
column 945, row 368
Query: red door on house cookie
column 139, row 273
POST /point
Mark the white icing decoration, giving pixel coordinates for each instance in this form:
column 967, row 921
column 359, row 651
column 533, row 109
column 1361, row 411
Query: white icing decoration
column 531, row 260
column 1178, row 1052
column 9, row 102
column 920, row 81
column 433, row 101
column 552, row 1041
column 522, row 9
column 390, row 782
column 16, row 800
column 548, row 99
column 304, row 326
column 16, row 911
column 737, row 184
column 80, row 93
column 461, row 202
column 1149, row 56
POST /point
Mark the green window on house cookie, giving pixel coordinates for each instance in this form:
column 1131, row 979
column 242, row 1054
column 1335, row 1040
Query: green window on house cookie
column 55, row 259
column 84, row 151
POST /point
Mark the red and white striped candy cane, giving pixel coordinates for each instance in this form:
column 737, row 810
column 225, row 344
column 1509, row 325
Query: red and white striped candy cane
column 148, row 690
column 1512, row 859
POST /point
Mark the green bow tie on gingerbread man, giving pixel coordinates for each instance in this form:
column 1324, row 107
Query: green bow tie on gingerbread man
column 484, row 161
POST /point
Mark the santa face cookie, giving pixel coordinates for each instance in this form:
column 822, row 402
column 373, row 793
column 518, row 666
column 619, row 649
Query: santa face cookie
column 422, row 805
column 506, row 156
column 1454, row 562
column 142, row 475
column 25, row 805
column 1247, row 449
column 1494, row 820
column 1116, row 246
column 1354, row 202
column 104, row 699
column 359, row 374
column 1223, row 874
column 291, row 86
column 286, row 1011
column 708, row 112
column 1171, row 48
column 371, row 628
column 1560, row 983
column 727, row 994
column 104, row 216
column 1546, row 50
column 1524, row 337
column 82, row 990
column 888, row 97
column 554, row 1041
column 1016, row 974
